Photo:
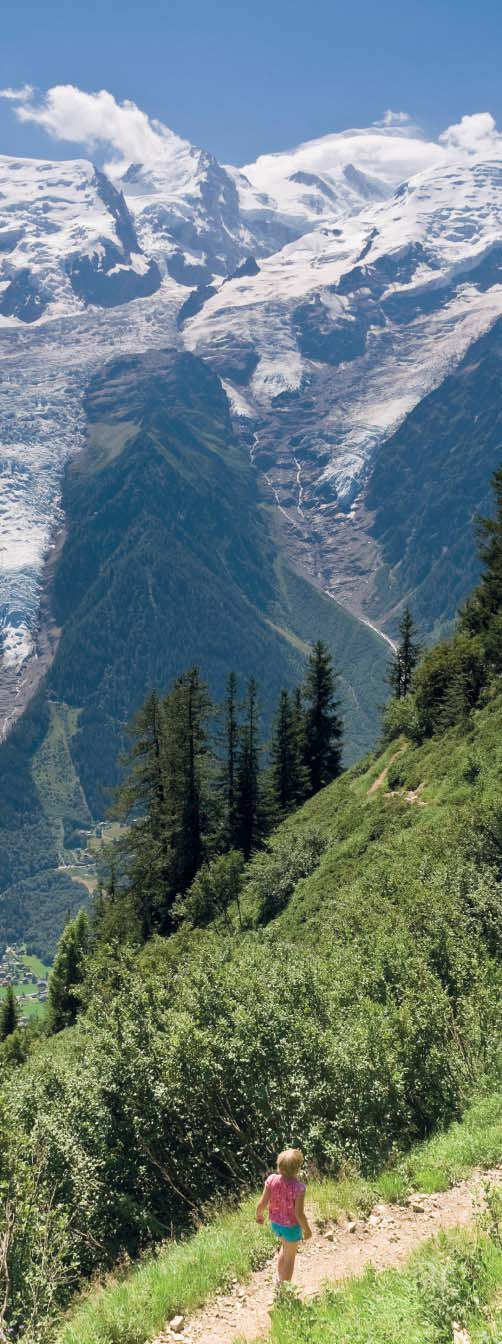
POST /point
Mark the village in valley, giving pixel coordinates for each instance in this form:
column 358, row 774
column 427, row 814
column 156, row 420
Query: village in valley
column 28, row 977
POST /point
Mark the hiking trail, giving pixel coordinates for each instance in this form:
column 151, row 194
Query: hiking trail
column 337, row 1251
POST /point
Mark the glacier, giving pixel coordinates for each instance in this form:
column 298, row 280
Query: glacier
column 376, row 263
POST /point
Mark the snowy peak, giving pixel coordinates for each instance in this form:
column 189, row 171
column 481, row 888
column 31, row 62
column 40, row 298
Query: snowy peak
column 352, row 324
column 66, row 238
column 198, row 219
column 338, row 174
column 434, row 229
column 71, row 234
column 186, row 212
column 331, row 287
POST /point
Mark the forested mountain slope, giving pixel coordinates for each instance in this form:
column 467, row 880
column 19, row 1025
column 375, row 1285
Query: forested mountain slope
column 341, row 988
column 333, row 288
column 169, row 560
column 378, row 973
column 428, row 484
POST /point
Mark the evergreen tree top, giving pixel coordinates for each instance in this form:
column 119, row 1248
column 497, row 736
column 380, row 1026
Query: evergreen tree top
column 9, row 1014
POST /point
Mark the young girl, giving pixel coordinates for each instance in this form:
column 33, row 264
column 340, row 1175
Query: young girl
column 284, row 1196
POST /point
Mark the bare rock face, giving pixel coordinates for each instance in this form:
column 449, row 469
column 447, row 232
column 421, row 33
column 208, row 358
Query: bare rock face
column 24, row 297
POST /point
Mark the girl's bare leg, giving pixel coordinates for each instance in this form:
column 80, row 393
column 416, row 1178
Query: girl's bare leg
column 286, row 1261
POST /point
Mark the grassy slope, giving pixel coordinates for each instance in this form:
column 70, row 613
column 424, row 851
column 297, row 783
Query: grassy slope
column 130, row 1308
column 365, row 828
column 455, row 1278
column 371, row 832
column 53, row 771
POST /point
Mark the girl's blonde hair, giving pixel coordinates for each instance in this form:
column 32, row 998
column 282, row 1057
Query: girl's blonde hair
column 290, row 1162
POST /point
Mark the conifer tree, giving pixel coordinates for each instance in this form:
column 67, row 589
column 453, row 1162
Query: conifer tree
column 68, row 973
column 187, row 710
column 98, row 911
column 406, row 658
column 228, row 773
column 482, row 613
column 288, row 772
column 299, row 728
column 116, row 911
column 249, row 822
column 167, row 793
column 9, row 1014
column 298, row 710
column 323, row 726
column 141, row 801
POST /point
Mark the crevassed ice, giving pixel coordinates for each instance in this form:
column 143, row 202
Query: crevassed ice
column 42, row 425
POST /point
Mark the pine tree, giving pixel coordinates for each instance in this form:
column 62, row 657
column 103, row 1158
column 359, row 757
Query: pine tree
column 188, row 803
column 115, row 916
column 288, row 772
column 9, row 1014
column 141, row 801
column 482, row 613
column 228, row 772
column 298, row 710
column 406, row 658
column 68, row 973
column 249, row 824
column 323, row 726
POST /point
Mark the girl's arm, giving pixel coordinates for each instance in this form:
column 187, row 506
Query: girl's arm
column 301, row 1215
column 262, row 1205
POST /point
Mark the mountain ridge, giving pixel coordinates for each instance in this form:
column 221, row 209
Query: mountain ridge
column 326, row 329
column 169, row 559
column 363, row 305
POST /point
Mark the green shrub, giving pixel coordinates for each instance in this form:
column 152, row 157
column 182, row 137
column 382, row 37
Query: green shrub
column 275, row 871
column 400, row 718
column 215, row 889
column 448, row 683
column 396, row 777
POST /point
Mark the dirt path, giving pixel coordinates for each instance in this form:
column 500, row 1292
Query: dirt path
column 381, row 778
column 338, row 1251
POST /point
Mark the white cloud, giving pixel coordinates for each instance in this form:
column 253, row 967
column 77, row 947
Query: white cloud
column 392, row 153
column 95, row 119
column 394, row 147
column 391, row 118
column 18, row 95
column 476, row 134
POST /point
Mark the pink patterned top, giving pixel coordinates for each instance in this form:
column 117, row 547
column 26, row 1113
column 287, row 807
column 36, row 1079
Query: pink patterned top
column 283, row 1193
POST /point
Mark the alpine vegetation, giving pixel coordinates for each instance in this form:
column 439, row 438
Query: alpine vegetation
column 356, row 934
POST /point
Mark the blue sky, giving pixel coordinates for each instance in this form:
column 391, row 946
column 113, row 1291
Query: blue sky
column 240, row 79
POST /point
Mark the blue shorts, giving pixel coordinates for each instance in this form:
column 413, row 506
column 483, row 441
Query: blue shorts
column 291, row 1233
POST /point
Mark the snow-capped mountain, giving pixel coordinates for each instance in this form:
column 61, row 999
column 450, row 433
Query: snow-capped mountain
column 338, row 174
column 331, row 288
column 351, row 327
column 189, row 215
column 66, row 239
column 373, row 311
